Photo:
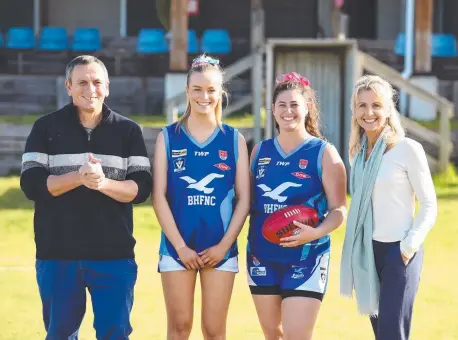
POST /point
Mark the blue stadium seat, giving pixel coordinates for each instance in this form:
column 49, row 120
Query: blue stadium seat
column 400, row 45
column 1, row 39
column 216, row 41
column 86, row 40
column 21, row 38
column 443, row 45
column 193, row 42
column 53, row 39
column 151, row 40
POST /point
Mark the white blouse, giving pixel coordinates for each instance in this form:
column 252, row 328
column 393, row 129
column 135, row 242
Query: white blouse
column 403, row 175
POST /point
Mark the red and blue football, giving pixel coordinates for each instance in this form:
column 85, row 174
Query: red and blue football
column 280, row 223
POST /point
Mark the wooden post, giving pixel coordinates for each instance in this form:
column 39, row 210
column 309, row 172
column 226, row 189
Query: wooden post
column 179, row 30
column 269, row 74
column 423, row 32
column 257, row 50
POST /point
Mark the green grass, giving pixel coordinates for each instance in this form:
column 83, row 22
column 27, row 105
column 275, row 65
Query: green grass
column 237, row 120
column 20, row 308
column 435, row 124
column 243, row 119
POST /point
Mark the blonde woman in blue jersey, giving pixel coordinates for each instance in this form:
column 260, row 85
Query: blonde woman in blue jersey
column 201, row 202
column 288, row 281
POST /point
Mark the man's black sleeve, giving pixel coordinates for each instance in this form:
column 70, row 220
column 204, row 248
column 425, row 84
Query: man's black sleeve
column 139, row 166
column 35, row 164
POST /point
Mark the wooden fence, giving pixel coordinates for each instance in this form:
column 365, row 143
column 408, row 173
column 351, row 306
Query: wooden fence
column 13, row 138
column 440, row 140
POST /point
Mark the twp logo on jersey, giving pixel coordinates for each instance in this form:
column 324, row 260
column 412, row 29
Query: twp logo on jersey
column 201, row 153
column 202, row 184
column 275, row 193
column 281, row 163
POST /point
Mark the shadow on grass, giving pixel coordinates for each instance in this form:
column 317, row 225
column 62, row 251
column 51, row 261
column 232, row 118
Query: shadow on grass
column 15, row 199
column 448, row 196
column 147, row 203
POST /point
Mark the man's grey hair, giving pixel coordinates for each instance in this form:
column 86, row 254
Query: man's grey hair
column 83, row 60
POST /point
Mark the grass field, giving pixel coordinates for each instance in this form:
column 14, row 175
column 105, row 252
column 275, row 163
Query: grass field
column 238, row 120
column 20, row 308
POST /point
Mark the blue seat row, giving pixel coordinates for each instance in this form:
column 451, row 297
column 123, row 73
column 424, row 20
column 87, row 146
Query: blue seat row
column 442, row 45
column 54, row 39
column 150, row 40
column 153, row 40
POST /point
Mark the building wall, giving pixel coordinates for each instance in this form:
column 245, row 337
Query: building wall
column 15, row 13
column 291, row 18
column 390, row 18
column 104, row 14
column 285, row 18
column 233, row 15
column 449, row 20
column 141, row 14
column 325, row 18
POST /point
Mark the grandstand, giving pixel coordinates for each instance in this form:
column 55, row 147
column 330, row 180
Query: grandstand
column 38, row 38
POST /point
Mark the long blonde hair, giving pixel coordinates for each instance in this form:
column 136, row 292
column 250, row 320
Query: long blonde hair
column 388, row 93
column 202, row 64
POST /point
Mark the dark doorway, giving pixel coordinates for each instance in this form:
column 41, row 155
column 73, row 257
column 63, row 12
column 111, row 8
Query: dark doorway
column 291, row 18
column 362, row 18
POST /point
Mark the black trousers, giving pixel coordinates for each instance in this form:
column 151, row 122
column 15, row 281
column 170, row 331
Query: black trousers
column 398, row 288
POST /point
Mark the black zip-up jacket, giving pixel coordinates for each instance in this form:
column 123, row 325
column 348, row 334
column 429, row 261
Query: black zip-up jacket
column 84, row 224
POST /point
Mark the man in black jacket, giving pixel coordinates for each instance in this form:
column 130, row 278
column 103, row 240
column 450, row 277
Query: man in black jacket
column 84, row 166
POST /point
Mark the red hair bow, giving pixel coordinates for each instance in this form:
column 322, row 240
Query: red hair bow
column 293, row 77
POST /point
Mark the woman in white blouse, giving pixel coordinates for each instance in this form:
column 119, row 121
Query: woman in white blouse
column 383, row 254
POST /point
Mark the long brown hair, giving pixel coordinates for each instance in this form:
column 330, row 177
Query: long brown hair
column 202, row 64
column 312, row 121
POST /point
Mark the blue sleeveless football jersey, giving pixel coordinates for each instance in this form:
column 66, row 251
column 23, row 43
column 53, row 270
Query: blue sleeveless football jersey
column 281, row 180
column 200, row 186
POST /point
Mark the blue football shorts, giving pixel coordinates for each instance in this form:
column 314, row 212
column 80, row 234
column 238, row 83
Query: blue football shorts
column 305, row 278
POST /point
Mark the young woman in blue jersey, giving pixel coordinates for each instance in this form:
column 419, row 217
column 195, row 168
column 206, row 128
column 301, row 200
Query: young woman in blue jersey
column 200, row 178
column 288, row 281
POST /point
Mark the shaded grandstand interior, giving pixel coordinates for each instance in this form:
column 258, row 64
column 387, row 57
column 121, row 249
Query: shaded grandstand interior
column 222, row 28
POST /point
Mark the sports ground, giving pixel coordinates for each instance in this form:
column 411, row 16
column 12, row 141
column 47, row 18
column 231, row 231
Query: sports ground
column 20, row 314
